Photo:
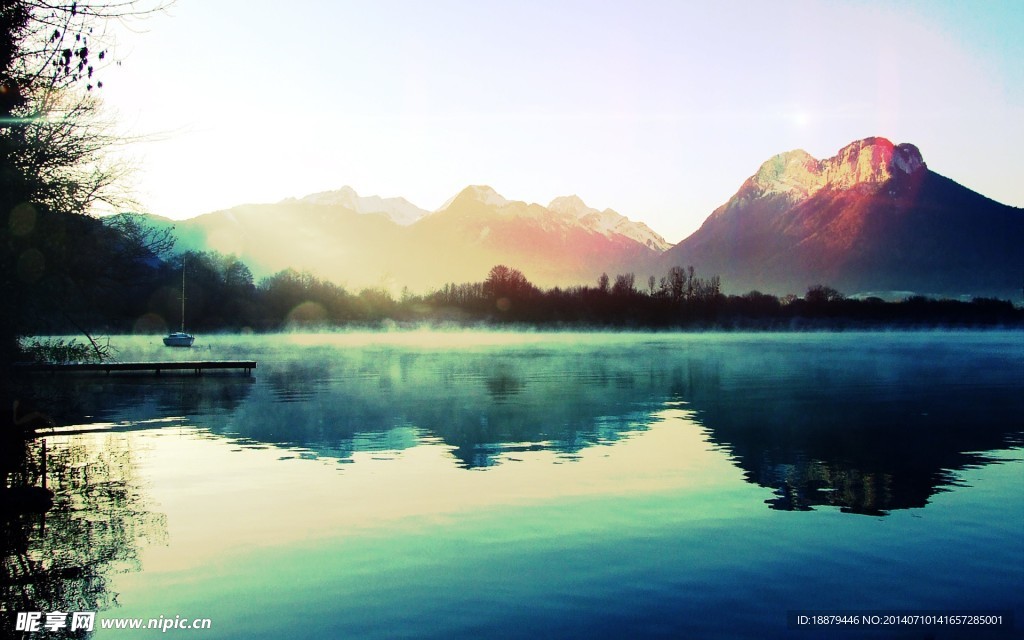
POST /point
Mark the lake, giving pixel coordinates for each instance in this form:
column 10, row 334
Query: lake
column 444, row 484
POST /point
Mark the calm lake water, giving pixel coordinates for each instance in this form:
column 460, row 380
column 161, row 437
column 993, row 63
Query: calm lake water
column 487, row 484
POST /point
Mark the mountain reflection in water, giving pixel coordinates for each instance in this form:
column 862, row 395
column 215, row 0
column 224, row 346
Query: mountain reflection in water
column 474, row 484
column 865, row 422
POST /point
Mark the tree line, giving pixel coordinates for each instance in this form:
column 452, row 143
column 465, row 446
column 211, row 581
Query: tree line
column 222, row 295
column 682, row 299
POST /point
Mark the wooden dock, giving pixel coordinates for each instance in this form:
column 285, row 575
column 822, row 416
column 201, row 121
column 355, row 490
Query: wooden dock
column 196, row 366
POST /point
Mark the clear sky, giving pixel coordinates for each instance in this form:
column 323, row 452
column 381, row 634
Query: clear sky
column 657, row 109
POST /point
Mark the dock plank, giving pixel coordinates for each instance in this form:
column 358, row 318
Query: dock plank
column 197, row 366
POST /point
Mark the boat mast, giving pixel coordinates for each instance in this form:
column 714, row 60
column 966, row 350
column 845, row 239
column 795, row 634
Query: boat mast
column 183, row 294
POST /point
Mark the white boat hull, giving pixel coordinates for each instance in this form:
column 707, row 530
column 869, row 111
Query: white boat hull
column 179, row 340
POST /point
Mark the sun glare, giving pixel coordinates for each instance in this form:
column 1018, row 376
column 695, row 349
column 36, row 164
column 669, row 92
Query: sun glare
column 801, row 118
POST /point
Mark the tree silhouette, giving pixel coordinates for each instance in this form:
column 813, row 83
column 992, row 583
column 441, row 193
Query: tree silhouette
column 819, row 294
column 53, row 168
column 508, row 289
column 625, row 284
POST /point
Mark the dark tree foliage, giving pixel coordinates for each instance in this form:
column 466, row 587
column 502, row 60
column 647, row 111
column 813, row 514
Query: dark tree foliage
column 820, row 294
column 300, row 300
column 509, row 294
column 59, row 267
column 221, row 296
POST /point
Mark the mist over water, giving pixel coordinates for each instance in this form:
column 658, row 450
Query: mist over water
column 431, row 484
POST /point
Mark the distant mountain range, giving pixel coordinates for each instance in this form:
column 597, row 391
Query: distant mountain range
column 398, row 210
column 872, row 219
column 370, row 241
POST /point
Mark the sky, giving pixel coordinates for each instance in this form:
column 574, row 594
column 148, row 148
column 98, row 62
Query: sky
column 656, row 109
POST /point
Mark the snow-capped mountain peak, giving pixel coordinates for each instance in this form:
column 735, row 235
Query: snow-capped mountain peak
column 572, row 205
column 479, row 193
column 399, row 210
column 608, row 222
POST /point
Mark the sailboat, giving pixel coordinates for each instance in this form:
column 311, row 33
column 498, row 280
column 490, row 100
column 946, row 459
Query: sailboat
column 180, row 338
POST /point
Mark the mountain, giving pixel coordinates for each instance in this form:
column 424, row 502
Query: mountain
column 609, row 222
column 329, row 240
column 873, row 218
column 479, row 228
column 397, row 210
column 370, row 241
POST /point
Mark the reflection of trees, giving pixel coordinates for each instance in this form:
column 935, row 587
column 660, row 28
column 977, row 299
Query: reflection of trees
column 482, row 404
column 503, row 385
column 88, row 398
column 857, row 481
column 870, row 433
column 62, row 561
column 799, row 487
column 837, row 435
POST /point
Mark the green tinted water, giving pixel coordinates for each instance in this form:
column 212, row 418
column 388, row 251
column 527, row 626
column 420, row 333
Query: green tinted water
column 420, row 484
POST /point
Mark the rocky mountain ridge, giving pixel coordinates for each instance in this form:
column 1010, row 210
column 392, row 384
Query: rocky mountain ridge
column 865, row 162
column 873, row 218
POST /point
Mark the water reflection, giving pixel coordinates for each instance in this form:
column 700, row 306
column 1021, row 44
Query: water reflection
column 868, row 423
column 64, row 559
column 132, row 400
column 504, row 386
column 866, row 430
column 485, row 404
column 618, row 486
column 865, row 423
